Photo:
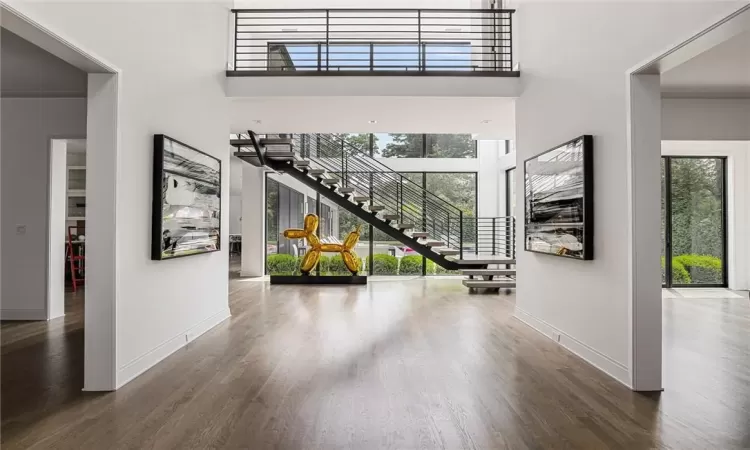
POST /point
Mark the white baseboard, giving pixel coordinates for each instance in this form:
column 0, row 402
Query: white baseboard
column 594, row 357
column 148, row 360
column 23, row 314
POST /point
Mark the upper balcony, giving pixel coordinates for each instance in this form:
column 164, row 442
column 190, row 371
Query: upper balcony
column 384, row 43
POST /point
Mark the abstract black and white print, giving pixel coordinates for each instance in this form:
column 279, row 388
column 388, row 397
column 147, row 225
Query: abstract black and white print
column 190, row 219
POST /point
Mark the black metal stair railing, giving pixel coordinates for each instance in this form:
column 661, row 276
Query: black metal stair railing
column 385, row 41
column 408, row 202
column 411, row 203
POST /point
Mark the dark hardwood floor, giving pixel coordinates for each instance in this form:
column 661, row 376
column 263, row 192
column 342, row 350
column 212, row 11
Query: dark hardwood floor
column 413, row 364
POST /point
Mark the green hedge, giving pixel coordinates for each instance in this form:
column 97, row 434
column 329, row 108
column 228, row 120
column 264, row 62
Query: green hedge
column 702, row 269
column 695, row 269
column 410, row 265
column 337, row 266
column 282, row 264
column 431, row 267
column 383, row 264
column 440, row 270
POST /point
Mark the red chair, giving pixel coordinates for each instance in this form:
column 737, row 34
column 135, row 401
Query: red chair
column 76, row 256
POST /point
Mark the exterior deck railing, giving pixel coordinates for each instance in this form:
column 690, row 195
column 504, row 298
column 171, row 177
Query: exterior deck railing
column 372, row 41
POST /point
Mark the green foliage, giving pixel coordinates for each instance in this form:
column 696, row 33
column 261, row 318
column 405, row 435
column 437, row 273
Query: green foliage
column 431, row 267
column 410, row 265
column 282, row 264
column 695, row 269
column 383, row 264
column 404, row 146
column 440, row 270
column 680, row 275
column 337, row 266
column 702, row 269
column 325, row 264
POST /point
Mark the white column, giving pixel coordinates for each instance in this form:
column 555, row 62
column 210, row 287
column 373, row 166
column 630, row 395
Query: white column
column 490, row 183
column 644, row 239
column 102, row 147
column 253, row 221
column 56, row 213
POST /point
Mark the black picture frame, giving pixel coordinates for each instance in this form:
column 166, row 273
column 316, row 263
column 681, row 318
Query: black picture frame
column 586, row 224
column 202, row 172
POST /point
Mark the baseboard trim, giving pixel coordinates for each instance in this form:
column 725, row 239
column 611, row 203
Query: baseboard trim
column 141, row 364
column 592, row 356
column 23, row 314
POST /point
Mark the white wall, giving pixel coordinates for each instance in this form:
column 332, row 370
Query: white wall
column 171, row 58
column 575, row 57
column 738, row 199
column 28, row 125
column 235, row 214
column 706, row 119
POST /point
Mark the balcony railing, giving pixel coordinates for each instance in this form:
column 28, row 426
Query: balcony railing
column 373, row 41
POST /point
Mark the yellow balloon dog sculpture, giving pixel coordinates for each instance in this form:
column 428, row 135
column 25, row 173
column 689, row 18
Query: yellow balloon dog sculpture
column 316, row 247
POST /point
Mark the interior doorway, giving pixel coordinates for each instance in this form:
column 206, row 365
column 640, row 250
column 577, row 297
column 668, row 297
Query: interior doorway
column 694, row 221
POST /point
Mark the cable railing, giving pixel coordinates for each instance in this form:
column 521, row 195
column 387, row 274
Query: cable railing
column 384, row 41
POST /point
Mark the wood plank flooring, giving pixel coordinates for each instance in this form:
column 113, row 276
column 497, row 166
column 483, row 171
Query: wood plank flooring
column 407, row 364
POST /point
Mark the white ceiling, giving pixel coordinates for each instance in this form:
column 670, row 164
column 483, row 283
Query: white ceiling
column 29, row 71
column 485, row 117
column 720, row 72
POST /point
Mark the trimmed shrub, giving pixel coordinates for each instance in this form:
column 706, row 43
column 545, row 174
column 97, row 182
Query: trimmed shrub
column 410, row 265
column 440, row 270
column 383, row 264
column 431, row 267
column 680, row 275
column 325, row 265
column 337, row 266
column 702, row 269
column 282, row 264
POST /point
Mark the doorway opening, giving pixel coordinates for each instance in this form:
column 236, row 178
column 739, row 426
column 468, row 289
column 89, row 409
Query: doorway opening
column 694, row 221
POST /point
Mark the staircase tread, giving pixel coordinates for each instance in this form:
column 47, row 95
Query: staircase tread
column 361, row 198
column 490, row 284
column 481, row 262
column 420, row 234
column 435, row 244
column 377, row 207
column 485, row 272
column 346, row 190
column 275, row 141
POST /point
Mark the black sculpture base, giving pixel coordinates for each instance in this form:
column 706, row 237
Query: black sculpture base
column 314, row 279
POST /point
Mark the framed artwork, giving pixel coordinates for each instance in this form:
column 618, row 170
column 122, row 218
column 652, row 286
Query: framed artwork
column 186, row 209
column 559, row 200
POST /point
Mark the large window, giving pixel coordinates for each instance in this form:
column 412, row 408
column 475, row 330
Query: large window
column 380, row 253
column 401, row 145
column 401, row 56
column 694, row 237
column 285, row 208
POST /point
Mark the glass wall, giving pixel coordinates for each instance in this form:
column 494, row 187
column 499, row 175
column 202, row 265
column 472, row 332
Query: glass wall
column 400, row 145
column 285, row 208
column 694, row 221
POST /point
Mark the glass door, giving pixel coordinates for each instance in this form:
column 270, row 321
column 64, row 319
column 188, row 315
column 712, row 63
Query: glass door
column 694, row 238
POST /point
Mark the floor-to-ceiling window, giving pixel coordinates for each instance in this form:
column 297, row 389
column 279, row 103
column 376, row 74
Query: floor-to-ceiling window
column 694, row 238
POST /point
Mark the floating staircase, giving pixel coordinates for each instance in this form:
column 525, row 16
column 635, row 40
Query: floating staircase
column 417, row 218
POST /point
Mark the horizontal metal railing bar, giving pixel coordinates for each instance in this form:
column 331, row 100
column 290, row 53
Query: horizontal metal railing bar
column 385, row 169
column 361, row 10
column 368, row 24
